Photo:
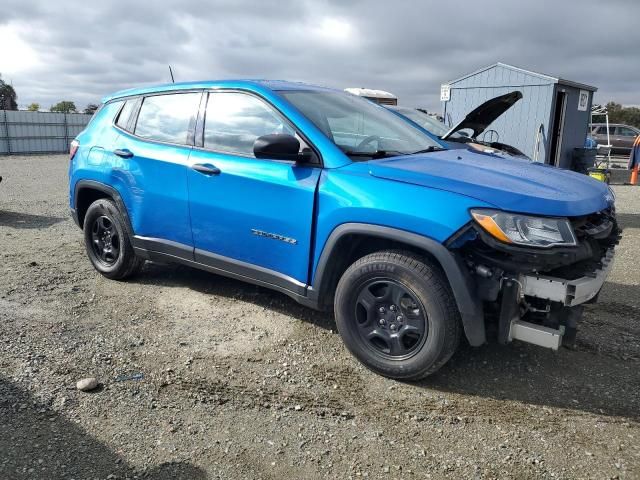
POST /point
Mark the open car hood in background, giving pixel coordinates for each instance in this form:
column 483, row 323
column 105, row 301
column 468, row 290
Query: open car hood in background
column 484, row 115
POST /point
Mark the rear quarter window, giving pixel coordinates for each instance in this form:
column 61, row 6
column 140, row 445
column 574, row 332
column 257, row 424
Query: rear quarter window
column 168, row 118
column 125, row 113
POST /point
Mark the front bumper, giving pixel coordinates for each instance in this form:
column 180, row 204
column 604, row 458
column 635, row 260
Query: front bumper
column 537, row 295
column 568, row 292
column 555, row 302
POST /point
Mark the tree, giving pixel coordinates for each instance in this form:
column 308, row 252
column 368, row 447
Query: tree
column 64, row 106
column 34, row 107
column 8, row 97
column 626, row 115
column 91, row 109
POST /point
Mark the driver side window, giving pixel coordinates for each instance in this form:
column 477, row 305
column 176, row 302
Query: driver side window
column 234, row 120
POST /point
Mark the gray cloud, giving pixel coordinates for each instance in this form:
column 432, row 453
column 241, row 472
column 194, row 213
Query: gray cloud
column 85, row 51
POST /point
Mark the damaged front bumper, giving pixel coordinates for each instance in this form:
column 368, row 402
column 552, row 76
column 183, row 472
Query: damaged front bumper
column 567, row 296
column 568, row 292
column 538, row 296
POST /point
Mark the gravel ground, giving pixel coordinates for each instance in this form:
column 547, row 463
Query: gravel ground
column 241, row 382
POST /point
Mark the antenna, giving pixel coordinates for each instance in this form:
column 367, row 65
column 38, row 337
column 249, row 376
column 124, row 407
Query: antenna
column 171, row 73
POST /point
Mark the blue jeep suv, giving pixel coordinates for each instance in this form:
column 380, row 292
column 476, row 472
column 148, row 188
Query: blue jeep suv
column 344, row 206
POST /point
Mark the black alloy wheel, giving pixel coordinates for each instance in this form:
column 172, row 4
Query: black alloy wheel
column 396, row 313
column 389, row 319
column 108, row 242
column 105, row 240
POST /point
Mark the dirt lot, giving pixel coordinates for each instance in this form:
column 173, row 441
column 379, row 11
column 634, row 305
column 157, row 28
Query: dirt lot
column 240, row 382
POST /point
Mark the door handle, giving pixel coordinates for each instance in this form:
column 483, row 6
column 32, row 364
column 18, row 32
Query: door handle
column 206, row 168
column 123, row 152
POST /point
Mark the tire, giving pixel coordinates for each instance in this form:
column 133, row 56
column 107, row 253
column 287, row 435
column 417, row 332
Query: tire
column 365, row 317
column 107, row 242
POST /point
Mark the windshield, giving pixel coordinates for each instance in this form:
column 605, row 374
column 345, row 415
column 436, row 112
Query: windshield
column 358, row 126
column 427, row 122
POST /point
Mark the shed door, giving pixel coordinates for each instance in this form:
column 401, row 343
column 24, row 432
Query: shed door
column 558, row 128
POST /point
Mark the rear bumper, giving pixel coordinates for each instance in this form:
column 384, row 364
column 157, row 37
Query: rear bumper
column 568, row 292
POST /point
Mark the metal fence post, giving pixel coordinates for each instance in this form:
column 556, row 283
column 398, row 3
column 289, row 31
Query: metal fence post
column 6, row 131
column 66, row 131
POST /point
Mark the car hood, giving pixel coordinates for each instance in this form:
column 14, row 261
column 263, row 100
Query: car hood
column 509, row 184
column 481, row 117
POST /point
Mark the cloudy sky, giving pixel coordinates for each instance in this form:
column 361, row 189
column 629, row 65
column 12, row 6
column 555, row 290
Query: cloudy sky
column 74, row 50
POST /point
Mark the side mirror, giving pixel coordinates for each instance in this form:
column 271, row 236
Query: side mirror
column 279, row 146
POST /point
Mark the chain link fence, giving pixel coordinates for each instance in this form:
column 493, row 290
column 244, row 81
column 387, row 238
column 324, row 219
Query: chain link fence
column 38, row 132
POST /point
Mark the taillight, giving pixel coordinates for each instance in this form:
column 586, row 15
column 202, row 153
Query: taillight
column 73, row 148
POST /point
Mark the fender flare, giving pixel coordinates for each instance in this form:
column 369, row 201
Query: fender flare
column 461, row 282
column 109, row 191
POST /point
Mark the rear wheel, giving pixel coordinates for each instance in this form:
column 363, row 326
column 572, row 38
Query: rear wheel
column 107, row 242
column 396, row 313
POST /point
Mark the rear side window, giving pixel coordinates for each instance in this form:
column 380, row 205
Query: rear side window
column 168, row 118
column 234, row 120
column 626, row 132
column 125, row 114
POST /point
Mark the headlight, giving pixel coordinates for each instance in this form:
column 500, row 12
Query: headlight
column 524, row 229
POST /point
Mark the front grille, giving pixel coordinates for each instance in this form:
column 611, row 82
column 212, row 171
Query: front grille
column 599, row 234
column 599, row 225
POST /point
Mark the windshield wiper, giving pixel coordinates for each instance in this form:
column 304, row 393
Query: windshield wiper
column 376, row 154
column 432, row 148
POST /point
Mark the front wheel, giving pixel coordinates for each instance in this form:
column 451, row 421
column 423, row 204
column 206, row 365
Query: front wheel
column 396, row 313
column 107, row 242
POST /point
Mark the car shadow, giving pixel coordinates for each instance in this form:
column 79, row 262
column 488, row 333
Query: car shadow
column 593, row 377
column 599, row 375
column 173, row 275
column 37, row 442
column 566, row 379
column 26, row 220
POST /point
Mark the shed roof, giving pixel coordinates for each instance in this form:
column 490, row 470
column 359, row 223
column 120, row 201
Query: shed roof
column 542, row 76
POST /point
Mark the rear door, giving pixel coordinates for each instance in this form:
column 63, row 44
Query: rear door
column 248, row 212
column 151, row 155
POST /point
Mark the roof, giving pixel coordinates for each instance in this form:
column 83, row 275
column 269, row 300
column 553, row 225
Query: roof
column 277, row 85
column 542, row 76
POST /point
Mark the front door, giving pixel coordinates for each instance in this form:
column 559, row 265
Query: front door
column 248, row 212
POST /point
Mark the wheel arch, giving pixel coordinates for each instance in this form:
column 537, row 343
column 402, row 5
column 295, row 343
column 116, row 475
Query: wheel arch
column 88, row 191
column 351, row 241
